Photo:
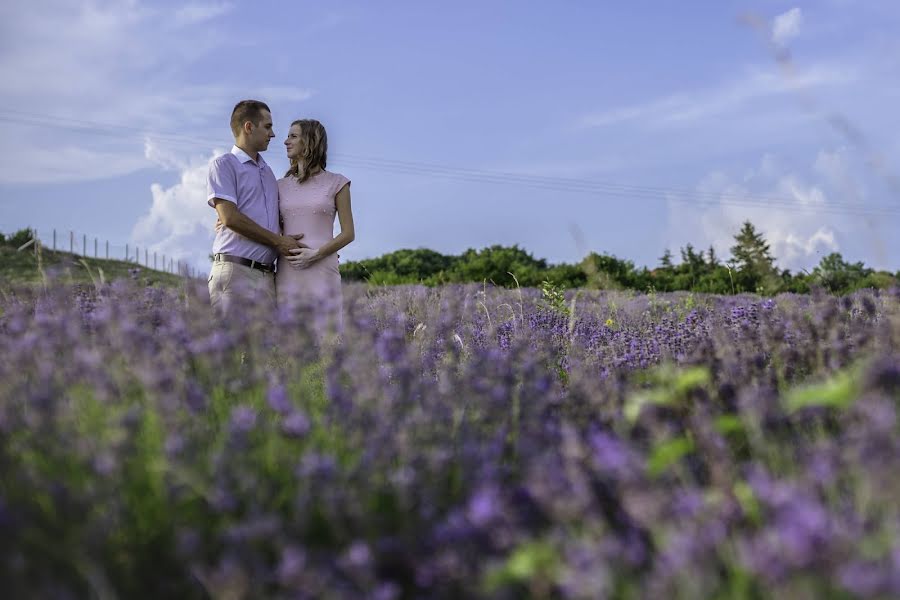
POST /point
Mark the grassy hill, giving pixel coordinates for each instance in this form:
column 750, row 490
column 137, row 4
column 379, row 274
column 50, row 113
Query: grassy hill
column 26, row 266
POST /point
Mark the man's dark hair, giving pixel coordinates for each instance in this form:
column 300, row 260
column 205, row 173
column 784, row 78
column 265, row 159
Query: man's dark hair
column 246, row 110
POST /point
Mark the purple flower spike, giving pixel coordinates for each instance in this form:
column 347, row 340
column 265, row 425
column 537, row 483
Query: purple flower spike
column 243, row 419
column 278, row 398
column 483, row 506
column 290, row 568
column 296, row 425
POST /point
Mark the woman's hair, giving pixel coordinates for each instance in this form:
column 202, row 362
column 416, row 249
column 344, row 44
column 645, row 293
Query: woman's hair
column 313, row 149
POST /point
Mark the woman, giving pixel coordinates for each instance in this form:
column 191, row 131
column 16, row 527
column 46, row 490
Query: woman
column 308, row 198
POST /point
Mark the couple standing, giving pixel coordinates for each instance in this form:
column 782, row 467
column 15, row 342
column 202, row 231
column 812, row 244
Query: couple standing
column 291, row 219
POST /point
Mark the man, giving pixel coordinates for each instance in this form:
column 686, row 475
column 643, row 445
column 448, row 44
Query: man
column 243, row 190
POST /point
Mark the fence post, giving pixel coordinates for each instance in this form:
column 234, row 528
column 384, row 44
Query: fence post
column 107, row 249
column 146, row 257
column 54, row 239
column 71, row 242
column 126, row 253
column 95, row 248
column 154, row 260
column 84, row 244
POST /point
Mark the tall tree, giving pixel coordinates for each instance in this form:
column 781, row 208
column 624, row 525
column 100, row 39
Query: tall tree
column 665, row 261
column 755, row 264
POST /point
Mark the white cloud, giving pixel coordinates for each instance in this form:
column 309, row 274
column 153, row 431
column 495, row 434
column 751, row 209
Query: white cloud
column 798, row 238
column 685, row 108
column 198, row 12
column 66, row 162
column 161, row 157
column 786, row 26
column 283, row 93
column 86, row 81
column 179, row 221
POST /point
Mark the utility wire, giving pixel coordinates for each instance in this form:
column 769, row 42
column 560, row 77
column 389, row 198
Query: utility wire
column 558, row 184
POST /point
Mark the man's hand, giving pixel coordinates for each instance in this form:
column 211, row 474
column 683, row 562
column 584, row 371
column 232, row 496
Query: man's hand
column 303, row 257
column 287, row 244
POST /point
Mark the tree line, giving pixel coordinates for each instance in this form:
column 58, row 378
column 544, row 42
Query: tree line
column 750, row 268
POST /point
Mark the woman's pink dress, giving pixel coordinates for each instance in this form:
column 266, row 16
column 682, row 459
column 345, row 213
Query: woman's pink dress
column 309, row 208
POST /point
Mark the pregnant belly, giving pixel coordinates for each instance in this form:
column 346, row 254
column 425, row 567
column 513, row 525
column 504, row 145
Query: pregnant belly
column 327, row 264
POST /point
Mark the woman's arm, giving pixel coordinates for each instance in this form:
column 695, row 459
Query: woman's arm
column 306, row 256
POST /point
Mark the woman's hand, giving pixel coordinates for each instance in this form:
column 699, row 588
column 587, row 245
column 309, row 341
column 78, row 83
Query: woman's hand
column 219, row 225
column 303, row 257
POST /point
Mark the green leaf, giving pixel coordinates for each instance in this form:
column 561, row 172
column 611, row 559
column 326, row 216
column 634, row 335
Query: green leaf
column 637, row 402
column 670, row 386
column 839, row 391
column 667, row 453
column 729, row 424
column 530, row 560
column 690, row 378
column 747, row 499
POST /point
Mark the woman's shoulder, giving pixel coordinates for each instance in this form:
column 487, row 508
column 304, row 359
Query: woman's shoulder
column 338, row 178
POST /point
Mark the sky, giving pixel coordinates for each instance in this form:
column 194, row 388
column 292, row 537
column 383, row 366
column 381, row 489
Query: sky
column 625, row 128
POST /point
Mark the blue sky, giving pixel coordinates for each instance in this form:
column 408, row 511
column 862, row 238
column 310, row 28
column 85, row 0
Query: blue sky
column 655, row 124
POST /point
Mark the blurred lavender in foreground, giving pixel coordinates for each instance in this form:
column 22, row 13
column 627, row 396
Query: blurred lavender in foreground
column 457, row 443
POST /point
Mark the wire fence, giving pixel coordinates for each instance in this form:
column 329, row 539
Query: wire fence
column 83, row 245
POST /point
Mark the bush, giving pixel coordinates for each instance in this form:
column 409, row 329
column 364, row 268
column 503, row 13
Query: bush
column 19, row 238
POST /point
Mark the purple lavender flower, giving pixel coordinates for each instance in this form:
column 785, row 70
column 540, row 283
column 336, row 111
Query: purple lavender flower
column 295, row 425
column 243, row 419
column 291, row 565
column 277, row 398
column 483, row 506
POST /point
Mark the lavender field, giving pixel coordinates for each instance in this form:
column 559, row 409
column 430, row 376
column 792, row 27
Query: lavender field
column 461, row 442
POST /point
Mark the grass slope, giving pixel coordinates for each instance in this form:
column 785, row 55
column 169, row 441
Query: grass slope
column 26, row 267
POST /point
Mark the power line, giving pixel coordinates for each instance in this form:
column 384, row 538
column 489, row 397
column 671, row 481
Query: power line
column 681, row 196
column 558, row 184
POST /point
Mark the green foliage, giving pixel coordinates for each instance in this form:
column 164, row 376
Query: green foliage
column 566, row 276
column 668, row 453
column 553, row 298
column 32, row 265
column 748, row 501
column 18, row 238
column 605, row 271
column 494, row 264
column 668, row 386
column 881, row 280
column 528, row 562
column 836, row 275
column 401, row 266
column 753, row 261
column 836, row 392
column 750, row 269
